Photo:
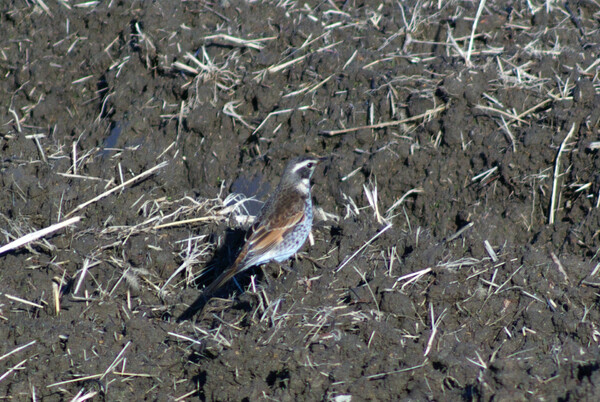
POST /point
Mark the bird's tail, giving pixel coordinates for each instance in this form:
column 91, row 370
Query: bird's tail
column 225, row 276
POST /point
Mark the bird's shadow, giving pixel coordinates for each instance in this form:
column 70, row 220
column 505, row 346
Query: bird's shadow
column 222, row 259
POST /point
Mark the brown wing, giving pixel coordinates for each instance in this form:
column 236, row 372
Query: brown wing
column 277, row 221
column 265, row 238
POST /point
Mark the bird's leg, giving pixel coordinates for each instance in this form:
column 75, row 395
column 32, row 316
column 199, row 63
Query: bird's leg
column 286, row 268
column 317, row 264
column 240, row 288
column 262, row 268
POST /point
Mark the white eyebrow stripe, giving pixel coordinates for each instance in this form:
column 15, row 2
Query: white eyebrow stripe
column 302, row 165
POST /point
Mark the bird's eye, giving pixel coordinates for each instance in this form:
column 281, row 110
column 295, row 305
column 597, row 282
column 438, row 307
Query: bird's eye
column 310, row 165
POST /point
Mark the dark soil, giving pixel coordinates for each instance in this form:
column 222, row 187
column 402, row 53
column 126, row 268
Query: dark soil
column 476, row 170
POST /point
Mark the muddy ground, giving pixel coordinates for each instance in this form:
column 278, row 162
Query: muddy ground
column 456, row 253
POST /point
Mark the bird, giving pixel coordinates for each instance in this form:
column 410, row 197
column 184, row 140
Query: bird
column 282, row 225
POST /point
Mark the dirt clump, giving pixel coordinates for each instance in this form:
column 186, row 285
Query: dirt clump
column 455, row 250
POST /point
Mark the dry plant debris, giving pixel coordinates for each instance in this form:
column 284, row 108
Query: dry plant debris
column 456, row 253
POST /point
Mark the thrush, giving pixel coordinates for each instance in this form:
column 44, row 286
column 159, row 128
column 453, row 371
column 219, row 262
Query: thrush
column 282, row 225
